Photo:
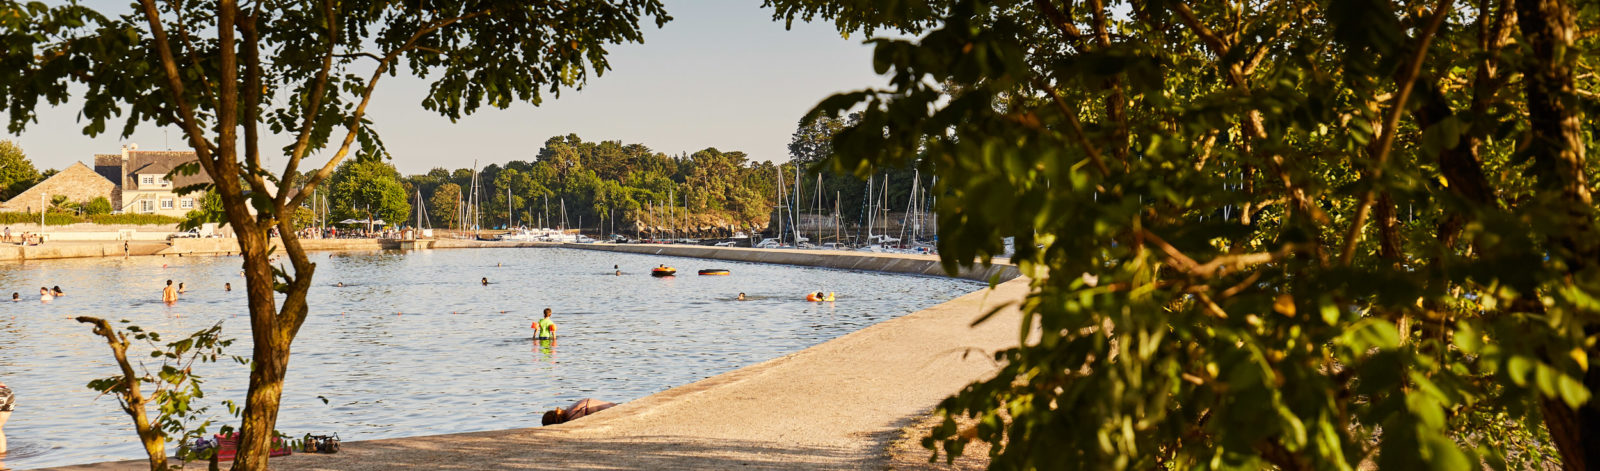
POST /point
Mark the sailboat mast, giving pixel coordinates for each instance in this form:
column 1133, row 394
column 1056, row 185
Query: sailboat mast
column 911, row 201
column 779, row 232
column 818, row 209
column 795, row 208
column 867, row 210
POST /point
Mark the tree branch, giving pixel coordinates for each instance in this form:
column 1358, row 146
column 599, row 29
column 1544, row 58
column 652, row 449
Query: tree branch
column 1390, row 123
column 366, row 97
column 1077, row 128
column 185, row 111
column 319, row 86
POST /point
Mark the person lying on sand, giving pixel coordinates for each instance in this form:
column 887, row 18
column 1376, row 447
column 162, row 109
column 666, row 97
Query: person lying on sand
column 576, row 411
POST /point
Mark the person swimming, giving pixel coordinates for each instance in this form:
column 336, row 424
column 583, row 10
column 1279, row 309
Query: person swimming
column 741, row 297
column 227, row 286
column 56, row 290
column 619, row 272
column 15, row 296
column 181, row 289
column 486, row 281
column 44, row 294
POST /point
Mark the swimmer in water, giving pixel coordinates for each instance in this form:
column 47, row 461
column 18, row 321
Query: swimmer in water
column 486, row 281
column 169, row 294
column 619, row 272
column 741, row 296
column 56, row 290
column 340, row 284
column 227, row 286
column 15, row 296
column 181, row 289
column 44, row 294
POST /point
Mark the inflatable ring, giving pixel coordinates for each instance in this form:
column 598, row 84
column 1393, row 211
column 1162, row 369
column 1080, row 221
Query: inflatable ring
column 663, row 271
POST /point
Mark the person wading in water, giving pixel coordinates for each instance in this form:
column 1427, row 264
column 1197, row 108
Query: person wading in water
column 544, row 329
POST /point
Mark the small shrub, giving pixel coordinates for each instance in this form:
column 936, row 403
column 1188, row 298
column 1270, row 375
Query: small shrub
column 97, row 206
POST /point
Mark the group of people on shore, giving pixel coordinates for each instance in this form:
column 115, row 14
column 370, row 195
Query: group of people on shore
column 24, row 239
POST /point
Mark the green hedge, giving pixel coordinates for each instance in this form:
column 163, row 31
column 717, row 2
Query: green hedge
column 62, row 219
column 138, row 219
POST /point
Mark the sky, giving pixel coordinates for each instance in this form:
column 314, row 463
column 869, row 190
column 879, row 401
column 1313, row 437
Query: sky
column 721, row 74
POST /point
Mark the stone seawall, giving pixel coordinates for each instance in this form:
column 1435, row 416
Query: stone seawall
column 870, row 261
column 224, row 246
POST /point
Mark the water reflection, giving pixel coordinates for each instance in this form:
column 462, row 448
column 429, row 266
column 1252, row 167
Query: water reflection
column 414, row 344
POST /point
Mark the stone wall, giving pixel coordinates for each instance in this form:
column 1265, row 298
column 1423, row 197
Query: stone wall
column 78, row 183
column 869, row 261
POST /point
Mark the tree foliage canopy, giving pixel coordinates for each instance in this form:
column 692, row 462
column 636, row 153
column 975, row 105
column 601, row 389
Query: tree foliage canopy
column 1299, row 235
column 16, row 171
column 365, row 188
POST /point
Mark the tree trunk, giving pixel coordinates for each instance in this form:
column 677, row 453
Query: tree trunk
column 1558, row 158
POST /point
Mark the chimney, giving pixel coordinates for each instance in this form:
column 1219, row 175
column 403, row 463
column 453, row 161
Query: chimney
column 124, row 170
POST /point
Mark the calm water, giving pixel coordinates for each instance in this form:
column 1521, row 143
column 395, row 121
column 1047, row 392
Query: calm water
column 415, row 345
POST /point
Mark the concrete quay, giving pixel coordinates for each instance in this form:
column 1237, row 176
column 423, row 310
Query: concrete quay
column 910, row 264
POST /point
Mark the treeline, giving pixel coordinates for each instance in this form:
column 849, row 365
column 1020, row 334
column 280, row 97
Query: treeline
column 603, row 185
column 609, row 186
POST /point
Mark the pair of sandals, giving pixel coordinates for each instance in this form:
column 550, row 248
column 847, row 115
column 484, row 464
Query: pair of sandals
column 320, row 443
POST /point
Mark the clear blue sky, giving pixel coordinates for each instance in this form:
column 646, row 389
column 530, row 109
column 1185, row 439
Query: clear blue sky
column 721, row 74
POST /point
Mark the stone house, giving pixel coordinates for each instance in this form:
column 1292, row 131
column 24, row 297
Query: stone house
column 77, row 182
column 142, row 186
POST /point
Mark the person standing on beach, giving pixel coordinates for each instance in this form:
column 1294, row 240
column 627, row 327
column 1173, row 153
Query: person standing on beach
column 169, row 294
column 544, row 328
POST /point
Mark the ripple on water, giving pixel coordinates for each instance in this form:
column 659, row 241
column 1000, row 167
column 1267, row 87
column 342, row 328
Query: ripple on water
column 415, row 345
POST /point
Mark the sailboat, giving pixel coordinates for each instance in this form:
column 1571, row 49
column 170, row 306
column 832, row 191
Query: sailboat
column 424, row 227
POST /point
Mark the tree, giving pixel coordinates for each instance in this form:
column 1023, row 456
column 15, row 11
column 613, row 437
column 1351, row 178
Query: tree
column 1289, row 235
column 16, row 171
column 368, row 188
column 442, row 205
column 226, row 71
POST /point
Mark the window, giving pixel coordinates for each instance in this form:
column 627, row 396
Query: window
column 166, row 203
column 147, row 180
column 147, row 205
column 186, row 203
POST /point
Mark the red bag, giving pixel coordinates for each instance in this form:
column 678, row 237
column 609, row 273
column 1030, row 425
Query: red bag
column 228, row 446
